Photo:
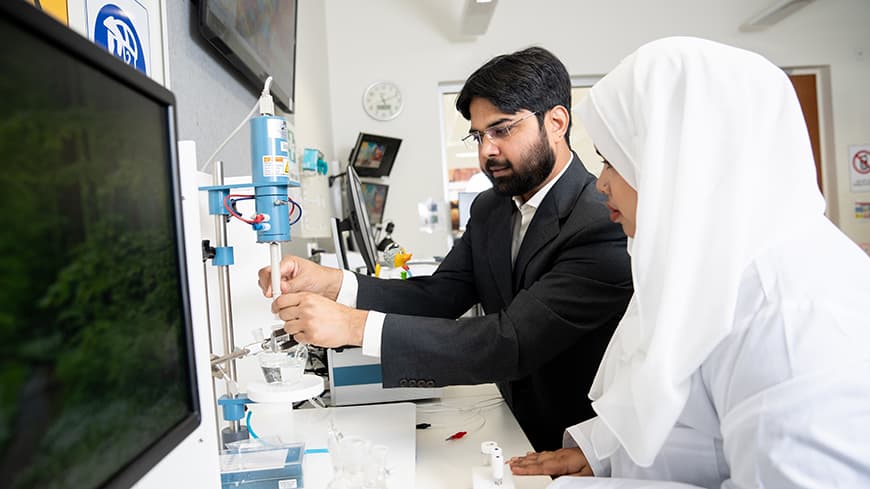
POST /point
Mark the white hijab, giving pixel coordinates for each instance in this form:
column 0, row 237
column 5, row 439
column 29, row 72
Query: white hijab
column 713, row 139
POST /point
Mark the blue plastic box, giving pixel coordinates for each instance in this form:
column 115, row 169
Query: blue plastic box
column 256, row 465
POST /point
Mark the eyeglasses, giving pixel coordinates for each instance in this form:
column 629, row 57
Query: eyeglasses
column 494, row 134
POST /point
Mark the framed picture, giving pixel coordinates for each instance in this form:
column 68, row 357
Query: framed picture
column 373, row 155
column 375, row 196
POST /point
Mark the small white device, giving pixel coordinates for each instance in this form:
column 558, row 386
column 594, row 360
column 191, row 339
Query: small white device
column 492, row 474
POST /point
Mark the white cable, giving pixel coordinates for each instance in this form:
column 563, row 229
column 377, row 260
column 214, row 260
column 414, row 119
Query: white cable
column 441, row 407
column 238, row 128
column 227, row 140
column 266, row 86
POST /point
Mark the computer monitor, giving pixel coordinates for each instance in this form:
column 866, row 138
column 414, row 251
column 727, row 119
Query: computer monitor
column 97, row 380
column 357, row 223
column 465, row 200
column 375, row 199
column 373, row 155
column 258, row 38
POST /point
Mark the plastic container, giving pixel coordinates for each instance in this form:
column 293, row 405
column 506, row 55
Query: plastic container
column 262, row 465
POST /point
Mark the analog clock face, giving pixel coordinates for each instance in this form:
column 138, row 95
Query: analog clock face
column 383, row 100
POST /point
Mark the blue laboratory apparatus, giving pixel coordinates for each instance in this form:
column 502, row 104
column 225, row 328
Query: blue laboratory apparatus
column 272, row 158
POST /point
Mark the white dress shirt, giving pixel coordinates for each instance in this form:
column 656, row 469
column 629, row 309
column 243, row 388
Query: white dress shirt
column 374, row 326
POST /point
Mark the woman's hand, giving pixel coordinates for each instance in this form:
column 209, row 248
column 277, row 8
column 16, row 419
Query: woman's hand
column 565, row 461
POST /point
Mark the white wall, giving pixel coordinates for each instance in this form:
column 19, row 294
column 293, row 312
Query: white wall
column 415, row 44
column 313, row 118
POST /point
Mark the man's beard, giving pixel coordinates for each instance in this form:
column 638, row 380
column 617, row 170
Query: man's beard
column 539, row 162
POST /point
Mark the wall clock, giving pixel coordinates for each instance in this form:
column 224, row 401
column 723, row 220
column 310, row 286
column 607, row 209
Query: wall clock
column 382, row 100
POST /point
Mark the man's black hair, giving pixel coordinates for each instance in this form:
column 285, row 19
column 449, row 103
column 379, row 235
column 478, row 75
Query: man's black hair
column 532, row 79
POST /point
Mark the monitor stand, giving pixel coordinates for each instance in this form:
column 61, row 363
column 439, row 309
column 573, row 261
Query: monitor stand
column 338, row 227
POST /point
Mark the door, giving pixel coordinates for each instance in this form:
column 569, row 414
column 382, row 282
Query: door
column 805, row 87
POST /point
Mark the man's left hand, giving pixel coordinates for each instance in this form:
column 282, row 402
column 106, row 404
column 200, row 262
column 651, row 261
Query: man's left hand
column 316, row 320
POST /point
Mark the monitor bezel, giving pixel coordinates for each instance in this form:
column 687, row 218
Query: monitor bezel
column 230, row 44
column 383, row 170
column 63, row 38
column 359, row 221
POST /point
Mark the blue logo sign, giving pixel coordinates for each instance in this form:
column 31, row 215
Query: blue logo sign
column 115, row 31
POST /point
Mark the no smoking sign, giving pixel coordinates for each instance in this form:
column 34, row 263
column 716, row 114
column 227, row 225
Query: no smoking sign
column 859, row 168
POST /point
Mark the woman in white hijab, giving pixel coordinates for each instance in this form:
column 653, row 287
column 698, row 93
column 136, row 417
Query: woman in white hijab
column 743, row 359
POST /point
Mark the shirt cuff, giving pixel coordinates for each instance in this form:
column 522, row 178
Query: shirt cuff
column 371, row 345
column 348, row 291
column 579, row 435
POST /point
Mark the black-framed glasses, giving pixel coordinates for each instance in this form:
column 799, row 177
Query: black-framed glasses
column 495, row 133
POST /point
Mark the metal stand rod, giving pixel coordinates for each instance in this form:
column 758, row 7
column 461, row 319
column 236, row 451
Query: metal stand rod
column 217, row 418
column 223, row 272
column 240, row 353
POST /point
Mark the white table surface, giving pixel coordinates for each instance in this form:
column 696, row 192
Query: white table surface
column 442, row 464
column 391, row 425
column 422, row 456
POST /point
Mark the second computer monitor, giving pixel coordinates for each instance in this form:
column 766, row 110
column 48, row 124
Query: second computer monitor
column 375, row 196
column 373, row 155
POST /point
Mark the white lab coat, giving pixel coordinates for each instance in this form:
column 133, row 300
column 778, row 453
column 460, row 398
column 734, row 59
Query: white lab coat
column 784, row 400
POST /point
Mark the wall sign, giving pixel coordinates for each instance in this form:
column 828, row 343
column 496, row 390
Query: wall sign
column 121, row 27
column 859, row 167
column 862, row 210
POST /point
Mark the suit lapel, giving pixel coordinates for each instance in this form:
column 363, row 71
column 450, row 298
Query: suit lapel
column 546, row 224
column 543, row 228
column 499, row 247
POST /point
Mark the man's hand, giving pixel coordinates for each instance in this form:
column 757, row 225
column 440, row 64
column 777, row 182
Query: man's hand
column 316, row 320
column 565, row 461
column 301, row 275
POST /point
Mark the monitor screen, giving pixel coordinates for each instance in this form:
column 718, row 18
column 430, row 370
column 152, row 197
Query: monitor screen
column 96, row 369
column 258, row 38
column 375, row 195
column 373, row 155
column 465, row 200
column 359, row 221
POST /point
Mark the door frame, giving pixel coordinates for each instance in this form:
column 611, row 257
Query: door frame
column 827, row 165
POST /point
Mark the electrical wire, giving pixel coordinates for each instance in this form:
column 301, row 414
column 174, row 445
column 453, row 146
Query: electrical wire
column 471, row 413
column 292, row 209
column 442, row 407
column 266, row 86
column 258, row 218
column 227, row 140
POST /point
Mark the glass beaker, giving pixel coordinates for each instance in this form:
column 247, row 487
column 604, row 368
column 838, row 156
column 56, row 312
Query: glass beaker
column 284, row 367
column 376, row 470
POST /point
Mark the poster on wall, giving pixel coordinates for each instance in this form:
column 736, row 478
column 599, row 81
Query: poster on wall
column 121, row 27
column 55, row 8
column 862, row 211
column 859, row 167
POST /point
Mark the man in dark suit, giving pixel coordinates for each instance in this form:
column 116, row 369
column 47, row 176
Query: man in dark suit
column 538, row 253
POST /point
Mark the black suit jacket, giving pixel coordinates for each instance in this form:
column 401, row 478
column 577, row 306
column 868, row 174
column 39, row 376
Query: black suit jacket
column 547, row 322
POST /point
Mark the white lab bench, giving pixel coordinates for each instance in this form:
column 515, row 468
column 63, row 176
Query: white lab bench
column 443, row 464
column 421, row 459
